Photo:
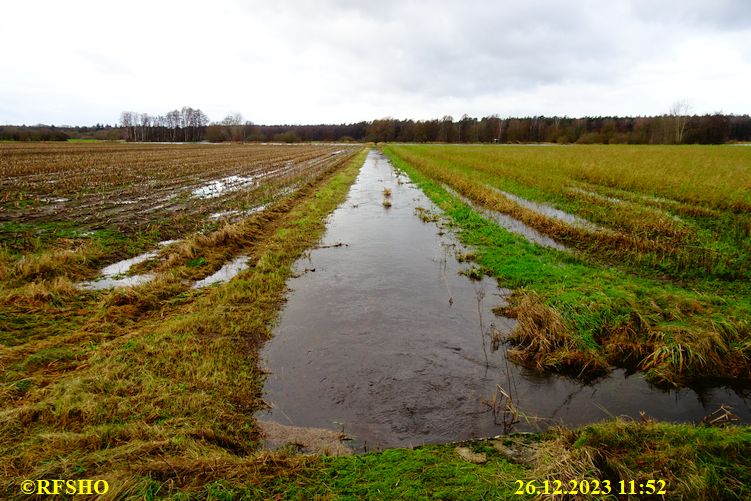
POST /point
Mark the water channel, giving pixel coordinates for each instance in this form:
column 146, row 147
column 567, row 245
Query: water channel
column 382, row 338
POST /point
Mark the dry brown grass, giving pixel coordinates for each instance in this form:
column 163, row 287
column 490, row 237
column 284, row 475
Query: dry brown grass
column 158, row 384
column 696, row 462
column 72, row 264
column 670, row 356
column 38, row 294
column 542, row 340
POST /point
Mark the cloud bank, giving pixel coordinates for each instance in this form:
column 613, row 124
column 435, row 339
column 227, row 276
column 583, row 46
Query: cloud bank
column 329, row 61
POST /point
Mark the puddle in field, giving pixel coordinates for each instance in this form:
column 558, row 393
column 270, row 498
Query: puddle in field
column 113, row 275
column 382, row 339
column 226, row 214
column 307, row 440
column 218, row 187
column 225, row 273
column 511, row 224
column 235, row 214
column 547, row 210
column 111, row 282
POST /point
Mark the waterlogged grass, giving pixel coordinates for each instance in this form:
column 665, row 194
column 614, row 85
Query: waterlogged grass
column 579, row 316
column 681, row 212
column 135, row 189
column 695, row 462
column 707, row 176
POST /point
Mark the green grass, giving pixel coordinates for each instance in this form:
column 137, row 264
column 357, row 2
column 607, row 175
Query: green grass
column 37, row 238
column 676, row 211
column 198, row 261
column 694, row 462
column 603, row 315
column 432, row 472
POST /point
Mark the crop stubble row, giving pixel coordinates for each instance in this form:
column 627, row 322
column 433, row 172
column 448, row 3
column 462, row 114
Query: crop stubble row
column 126, row 185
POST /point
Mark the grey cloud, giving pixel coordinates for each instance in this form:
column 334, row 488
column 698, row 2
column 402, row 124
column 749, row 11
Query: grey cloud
column 710, row 15
column 303, row 58
column 481, row 49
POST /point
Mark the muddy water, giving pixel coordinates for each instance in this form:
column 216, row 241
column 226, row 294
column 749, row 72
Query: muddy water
column 383, row 339
column 112, row 276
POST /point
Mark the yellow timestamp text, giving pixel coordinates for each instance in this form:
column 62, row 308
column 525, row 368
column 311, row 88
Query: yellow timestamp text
column 594, row 487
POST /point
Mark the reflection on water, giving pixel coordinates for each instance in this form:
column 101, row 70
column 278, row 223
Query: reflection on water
column 547, row 210
column 113, row 282
column 509, row 223
column 225, row 273
column 114, row 275
column 218, row 187
column 387, row 341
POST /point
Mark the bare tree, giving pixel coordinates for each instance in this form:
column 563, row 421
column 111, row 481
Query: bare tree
column 678, row 112
column 173, row 123
column 233, row 125
column 144, row 120
column 129, row 120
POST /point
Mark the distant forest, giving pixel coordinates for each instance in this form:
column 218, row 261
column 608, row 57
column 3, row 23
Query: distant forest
column 191, row 125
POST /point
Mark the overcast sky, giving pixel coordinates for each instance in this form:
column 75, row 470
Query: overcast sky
column 331, row 61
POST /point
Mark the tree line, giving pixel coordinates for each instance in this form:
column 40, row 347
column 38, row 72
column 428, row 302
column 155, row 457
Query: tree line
column 183, row 125
column 188, row 125
column 665, row 129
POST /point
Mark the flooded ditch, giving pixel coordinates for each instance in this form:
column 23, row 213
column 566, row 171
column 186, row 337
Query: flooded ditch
column 384, row 340
column 547, row 210
column 508, row 222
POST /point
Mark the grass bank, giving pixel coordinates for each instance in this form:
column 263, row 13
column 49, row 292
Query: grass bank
column 694, row 462
column 580, row 316
column 684, row 461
